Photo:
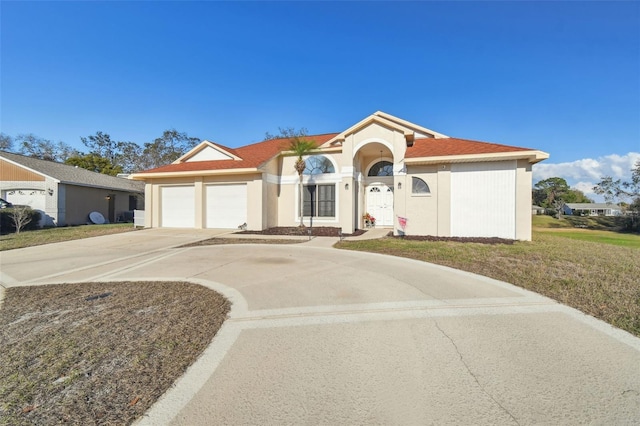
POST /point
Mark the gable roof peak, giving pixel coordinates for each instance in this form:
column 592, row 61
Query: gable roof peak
column 409, row 129
column 204, row 145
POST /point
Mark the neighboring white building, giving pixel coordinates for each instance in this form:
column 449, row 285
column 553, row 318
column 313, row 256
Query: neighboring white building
column 592, row 209
column 411, row 179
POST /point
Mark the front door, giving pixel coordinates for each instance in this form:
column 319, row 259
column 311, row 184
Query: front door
column 380, row 203
column 112, row 208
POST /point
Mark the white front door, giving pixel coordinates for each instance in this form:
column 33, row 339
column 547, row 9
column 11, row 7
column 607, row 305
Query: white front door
column 380, row 203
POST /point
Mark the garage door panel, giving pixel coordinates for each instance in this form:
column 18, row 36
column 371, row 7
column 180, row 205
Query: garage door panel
column 34, row 198
column 226, row 206
column 177, row 207
column 483, row 199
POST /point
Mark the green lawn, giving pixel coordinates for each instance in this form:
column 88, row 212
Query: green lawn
column 596, row 277
column 56, row 235
column 566, row 228
column 604, row 237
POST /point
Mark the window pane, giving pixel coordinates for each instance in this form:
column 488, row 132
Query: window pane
column 308, row 196
column 318, row 164
column 418, row 186
column 326, row 200
column 381, row 168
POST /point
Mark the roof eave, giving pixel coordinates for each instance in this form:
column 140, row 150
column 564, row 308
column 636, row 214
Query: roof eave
column 145, row 176
column 532, row 156
column 108, row 188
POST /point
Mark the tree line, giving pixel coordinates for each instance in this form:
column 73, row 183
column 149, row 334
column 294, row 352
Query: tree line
column 103, row 154
column 552, row 193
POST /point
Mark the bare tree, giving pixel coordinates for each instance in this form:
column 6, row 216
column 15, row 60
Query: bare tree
column 44, row 149
column 6, row 142
column 21, row 216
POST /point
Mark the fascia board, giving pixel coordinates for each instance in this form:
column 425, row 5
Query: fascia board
column 532, row 156
column 109, row 188
column 311, row 152
column 145, row 176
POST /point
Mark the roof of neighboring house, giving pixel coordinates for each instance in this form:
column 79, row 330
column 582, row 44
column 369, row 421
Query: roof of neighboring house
column 73, row 175
column 441, row 147
column 534, row 207
column 590, row 206
column 251, row 156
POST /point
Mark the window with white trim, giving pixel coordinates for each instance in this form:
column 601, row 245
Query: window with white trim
column 418, row 186
column 381, row 168
column 317, row 165
column 319, row 200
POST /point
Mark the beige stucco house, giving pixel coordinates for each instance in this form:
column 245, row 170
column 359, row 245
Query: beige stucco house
column 64, row 194
column 411, row 179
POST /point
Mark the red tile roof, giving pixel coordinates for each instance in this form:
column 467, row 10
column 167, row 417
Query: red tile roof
column 254, row 155
column 251, row 156
column 429, row 147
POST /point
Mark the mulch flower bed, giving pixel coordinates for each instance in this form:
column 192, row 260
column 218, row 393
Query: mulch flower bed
column 493, row 240
column 316, row 231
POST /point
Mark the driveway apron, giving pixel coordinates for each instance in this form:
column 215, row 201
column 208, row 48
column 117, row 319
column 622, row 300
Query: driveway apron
column 324, row 336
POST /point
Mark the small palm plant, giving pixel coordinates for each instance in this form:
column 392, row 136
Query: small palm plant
column 300, row 146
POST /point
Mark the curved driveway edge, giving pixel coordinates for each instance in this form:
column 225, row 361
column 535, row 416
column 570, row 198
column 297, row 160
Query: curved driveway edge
column 324, row 336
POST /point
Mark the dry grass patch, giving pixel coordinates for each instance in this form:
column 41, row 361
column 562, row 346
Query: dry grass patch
column 55, row 235
column 599, row 279
column 99, row 353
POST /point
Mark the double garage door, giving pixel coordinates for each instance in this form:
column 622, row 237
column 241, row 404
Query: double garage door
column 225, row 206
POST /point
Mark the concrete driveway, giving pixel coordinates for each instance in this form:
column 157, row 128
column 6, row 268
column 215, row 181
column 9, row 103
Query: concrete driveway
column 324, row 336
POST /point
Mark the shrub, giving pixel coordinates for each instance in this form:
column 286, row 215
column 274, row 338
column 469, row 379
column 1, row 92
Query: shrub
column 7, row 225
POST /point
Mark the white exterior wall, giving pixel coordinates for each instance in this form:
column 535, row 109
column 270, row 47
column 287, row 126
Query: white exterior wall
column 198, row 185
column 483, row 199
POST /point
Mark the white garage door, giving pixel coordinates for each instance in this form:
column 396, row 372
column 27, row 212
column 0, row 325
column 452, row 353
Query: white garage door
column 483, row 199
column 226, row 206
column 177, row 207
column 34, row 198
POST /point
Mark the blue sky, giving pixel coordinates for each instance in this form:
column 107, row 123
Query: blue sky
column 562, row 77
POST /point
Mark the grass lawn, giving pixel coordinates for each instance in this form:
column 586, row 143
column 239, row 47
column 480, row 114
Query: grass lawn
column 99, row 353
column 598, row 278
column 56, row 235
column 604, row 237
column 566, row 228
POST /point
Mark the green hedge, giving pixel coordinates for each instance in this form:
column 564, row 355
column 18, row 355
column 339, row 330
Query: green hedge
column 6, row 221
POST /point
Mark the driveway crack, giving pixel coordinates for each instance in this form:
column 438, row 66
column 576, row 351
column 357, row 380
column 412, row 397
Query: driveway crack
column 466, row 366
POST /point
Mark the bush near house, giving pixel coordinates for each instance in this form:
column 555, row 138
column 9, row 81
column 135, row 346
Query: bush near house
column 7, row 226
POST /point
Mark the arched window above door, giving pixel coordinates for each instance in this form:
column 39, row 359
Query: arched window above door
column 381, row 168
column 317, row 165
